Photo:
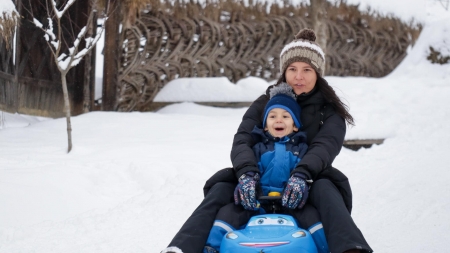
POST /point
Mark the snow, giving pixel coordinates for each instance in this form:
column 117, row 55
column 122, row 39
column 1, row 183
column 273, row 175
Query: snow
column 218, row 89
column 403, row 9
column 132, row 179
column 7, row 8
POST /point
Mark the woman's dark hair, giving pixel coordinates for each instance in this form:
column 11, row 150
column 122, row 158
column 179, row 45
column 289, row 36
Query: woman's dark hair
column 330, row 96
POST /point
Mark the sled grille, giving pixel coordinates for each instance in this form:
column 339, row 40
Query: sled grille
column 263, row 244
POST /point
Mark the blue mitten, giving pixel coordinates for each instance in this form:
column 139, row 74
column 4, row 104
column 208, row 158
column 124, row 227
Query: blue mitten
column 245, row 192
column 296, row 192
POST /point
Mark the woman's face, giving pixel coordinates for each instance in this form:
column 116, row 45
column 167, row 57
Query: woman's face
column 301, row 77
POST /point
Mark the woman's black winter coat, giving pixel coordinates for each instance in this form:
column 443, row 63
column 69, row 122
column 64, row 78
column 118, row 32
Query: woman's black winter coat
column 325, row 132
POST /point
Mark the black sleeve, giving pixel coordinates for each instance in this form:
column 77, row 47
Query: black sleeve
column 325, row 146
column 242, row 155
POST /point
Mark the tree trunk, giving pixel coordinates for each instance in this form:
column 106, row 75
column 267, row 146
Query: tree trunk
column 318, row 14
column 67, row 110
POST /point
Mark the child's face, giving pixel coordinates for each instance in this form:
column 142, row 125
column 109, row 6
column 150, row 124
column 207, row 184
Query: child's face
column 279, row 123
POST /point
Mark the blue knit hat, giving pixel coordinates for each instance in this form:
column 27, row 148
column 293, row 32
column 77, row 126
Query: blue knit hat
column 282, row 96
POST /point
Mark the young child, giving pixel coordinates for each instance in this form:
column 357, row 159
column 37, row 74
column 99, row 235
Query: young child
column 279, row 147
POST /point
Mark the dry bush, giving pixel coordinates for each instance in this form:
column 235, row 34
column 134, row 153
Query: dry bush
column 7, row 25
column 437, row 57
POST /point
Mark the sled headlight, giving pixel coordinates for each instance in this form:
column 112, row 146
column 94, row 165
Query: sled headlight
column 298, row 234
column 231, row 236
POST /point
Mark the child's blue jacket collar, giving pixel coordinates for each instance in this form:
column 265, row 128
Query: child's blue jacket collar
column 259, row 135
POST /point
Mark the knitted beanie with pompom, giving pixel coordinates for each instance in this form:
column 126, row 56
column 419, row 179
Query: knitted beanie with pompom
column 282, row 96
column 303, row 49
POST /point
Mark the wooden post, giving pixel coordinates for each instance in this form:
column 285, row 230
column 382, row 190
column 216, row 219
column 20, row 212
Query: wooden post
column 17, row 59
column 89, row 68
column 111, row 58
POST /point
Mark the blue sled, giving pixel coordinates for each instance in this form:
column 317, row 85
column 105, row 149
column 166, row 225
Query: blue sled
column 269, row 233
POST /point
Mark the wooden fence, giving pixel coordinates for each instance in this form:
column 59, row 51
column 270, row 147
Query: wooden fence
column 162, row 46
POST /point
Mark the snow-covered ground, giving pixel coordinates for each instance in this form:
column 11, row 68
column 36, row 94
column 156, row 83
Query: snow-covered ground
column 132, row 179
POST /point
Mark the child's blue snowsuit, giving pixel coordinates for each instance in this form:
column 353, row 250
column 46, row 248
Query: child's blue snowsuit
column 277, row 158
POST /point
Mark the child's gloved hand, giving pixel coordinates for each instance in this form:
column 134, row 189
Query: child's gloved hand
column 296, row 192
column 245, row 192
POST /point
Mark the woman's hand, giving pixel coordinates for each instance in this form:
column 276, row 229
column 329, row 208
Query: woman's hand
column 296, row 192
column 245, row 192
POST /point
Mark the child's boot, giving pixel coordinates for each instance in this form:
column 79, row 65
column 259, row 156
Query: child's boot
column 208, row 249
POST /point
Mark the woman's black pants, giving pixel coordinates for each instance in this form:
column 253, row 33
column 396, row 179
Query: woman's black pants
column 340, row 230
column 195, row 231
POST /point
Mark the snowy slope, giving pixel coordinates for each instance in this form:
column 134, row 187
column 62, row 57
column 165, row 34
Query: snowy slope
column 133, row 178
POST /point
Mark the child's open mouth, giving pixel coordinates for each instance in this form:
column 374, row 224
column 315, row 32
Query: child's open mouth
column 279, row 128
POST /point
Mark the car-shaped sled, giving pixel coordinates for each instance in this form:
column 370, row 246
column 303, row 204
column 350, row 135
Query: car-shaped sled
column 269, row 233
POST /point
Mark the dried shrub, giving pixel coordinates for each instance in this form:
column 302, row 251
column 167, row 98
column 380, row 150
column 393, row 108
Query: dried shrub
column 7, row 25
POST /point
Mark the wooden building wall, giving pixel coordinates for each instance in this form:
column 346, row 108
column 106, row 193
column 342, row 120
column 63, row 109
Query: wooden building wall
column 30, row 82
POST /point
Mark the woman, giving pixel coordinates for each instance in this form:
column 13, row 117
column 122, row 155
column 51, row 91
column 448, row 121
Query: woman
column 324, row 118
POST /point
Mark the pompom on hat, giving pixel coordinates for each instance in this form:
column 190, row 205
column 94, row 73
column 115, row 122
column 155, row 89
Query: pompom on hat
column 303, row 49
column 282, row 96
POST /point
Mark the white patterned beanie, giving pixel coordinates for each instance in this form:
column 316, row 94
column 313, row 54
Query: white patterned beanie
column 303, row 49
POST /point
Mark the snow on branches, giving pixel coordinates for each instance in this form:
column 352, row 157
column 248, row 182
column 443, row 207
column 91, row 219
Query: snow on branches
column 59, row 13
column 66, row 60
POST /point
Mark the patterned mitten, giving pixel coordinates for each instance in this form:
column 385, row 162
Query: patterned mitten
column 296, row 192
column 245, row 192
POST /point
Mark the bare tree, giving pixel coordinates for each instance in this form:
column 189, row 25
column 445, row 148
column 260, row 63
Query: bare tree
column 66, row 59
